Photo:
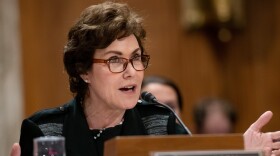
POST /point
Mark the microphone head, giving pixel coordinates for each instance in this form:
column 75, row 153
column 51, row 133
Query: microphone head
column 148, row 97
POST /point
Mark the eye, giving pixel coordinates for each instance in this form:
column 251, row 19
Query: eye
column 136, row 57
column 115, row 60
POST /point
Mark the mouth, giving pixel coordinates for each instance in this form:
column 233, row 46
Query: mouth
column 130, row 88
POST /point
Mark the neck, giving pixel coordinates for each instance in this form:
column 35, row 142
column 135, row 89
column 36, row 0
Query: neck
column 99, row 117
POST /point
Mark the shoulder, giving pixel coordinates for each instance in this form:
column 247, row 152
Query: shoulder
column 51, row 114
column 157, row 119
column 46, row 122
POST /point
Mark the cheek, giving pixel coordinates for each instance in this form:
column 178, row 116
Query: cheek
column 105, row 82
column 141, row 77
column 100, row 72
column 141, row 74
column 100, row 77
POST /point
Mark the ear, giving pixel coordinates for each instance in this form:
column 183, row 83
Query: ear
column 85, row 77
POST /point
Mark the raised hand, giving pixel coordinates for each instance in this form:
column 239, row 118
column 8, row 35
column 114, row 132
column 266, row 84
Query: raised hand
column 254, row 139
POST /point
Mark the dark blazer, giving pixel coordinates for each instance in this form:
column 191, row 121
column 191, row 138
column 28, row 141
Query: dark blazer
column 69, row 121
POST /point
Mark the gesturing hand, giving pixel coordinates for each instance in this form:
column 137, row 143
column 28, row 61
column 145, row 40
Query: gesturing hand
column 254, row 139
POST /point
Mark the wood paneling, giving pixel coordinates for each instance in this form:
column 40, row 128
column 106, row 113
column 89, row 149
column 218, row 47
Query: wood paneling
column 246, row 70
column 145, row 145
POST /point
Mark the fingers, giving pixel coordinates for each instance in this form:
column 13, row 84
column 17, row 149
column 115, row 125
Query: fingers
column 275, row 136
column 275, row 145
column 262, row 121
column 267, row 151
column 275, row 152
column 15, row 150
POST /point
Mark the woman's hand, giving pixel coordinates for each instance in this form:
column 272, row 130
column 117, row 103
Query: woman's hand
column 254, row 139
column 15, row 150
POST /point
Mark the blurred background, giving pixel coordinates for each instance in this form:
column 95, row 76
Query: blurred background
column 221, row 48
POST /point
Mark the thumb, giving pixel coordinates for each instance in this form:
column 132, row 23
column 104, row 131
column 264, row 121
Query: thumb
column 15, row 150
column 262, row 121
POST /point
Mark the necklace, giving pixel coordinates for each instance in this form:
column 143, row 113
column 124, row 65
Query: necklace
column 103, row 129
column 99, row 134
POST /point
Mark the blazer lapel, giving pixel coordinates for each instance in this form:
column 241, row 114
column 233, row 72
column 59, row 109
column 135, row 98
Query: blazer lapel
column 133, row 124
column 76, row 131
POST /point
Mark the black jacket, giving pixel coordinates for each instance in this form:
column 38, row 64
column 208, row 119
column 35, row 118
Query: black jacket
column 69, row 121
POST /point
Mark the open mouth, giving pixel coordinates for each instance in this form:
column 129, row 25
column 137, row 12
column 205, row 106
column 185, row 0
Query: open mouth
column 128, row 88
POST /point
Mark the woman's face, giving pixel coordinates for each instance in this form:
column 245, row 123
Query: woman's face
column 116, row 91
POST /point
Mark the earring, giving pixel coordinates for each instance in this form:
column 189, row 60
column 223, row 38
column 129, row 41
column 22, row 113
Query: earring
column 86, row 81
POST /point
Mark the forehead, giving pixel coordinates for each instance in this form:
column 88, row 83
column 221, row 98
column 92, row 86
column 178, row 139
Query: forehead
column 122, row 46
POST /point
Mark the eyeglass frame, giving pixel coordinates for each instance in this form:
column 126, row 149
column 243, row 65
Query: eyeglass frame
column 107, row 61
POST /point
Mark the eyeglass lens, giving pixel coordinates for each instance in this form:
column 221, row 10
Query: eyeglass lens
column 120, row 64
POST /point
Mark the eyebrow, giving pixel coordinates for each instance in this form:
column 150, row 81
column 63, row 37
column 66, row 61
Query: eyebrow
column 119, row 52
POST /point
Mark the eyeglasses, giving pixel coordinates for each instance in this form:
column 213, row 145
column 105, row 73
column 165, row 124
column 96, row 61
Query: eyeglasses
column 119, row 64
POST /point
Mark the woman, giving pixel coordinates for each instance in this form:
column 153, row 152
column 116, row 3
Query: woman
column 105, row 61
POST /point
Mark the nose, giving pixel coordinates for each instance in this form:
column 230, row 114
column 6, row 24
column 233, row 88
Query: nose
column 129, row 71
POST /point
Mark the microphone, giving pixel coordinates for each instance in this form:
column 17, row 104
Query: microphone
column 149, row 97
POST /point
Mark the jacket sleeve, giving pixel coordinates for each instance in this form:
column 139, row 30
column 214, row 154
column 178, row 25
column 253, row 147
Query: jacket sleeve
column 29, row 131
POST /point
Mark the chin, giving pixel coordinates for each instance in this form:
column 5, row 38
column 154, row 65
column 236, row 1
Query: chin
column 130, row 104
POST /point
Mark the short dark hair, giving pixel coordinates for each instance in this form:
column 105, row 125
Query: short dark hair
column 97, row 27
column 165, row 81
